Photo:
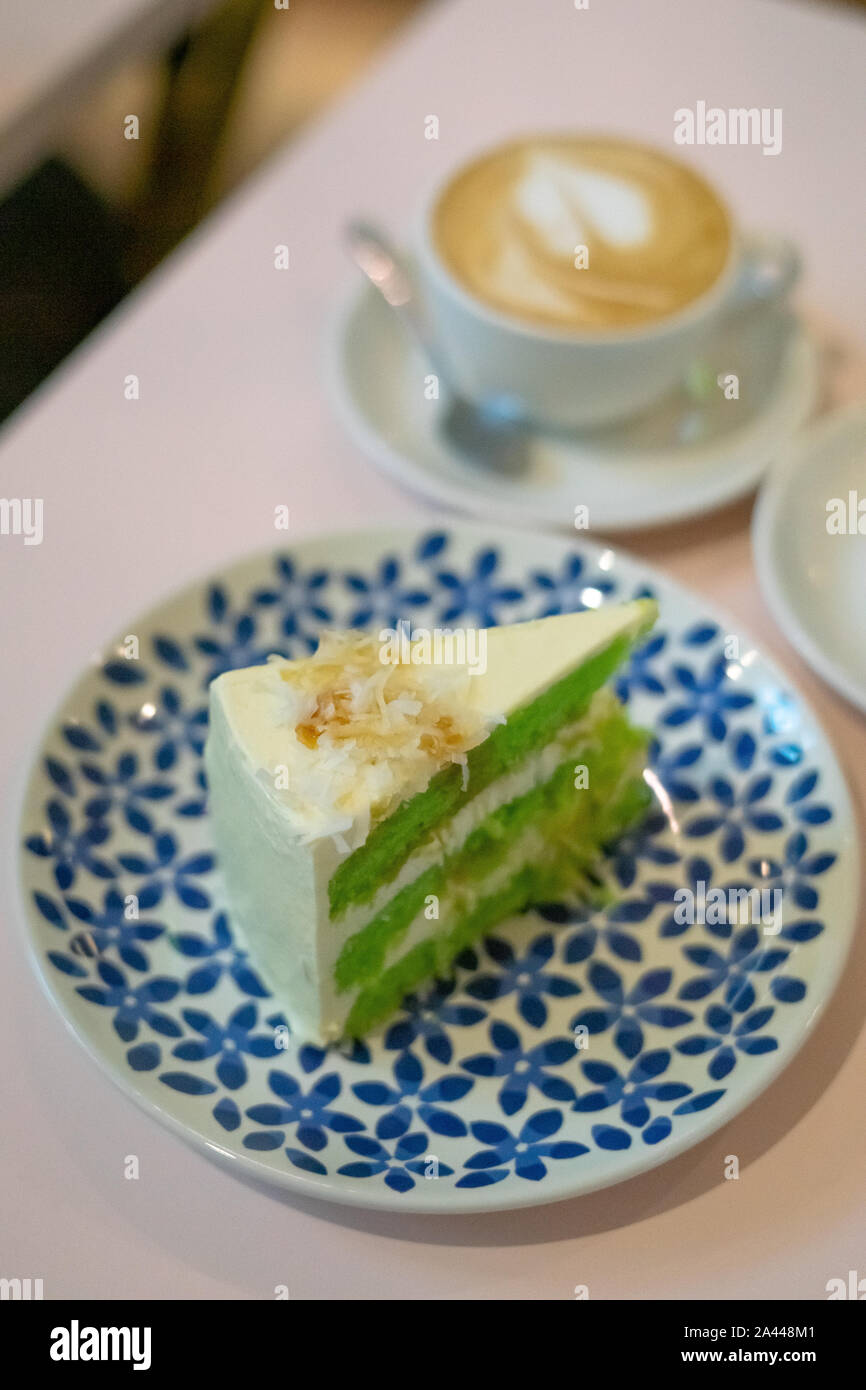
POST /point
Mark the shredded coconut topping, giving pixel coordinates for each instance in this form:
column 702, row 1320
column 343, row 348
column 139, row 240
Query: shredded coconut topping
column 367, row 733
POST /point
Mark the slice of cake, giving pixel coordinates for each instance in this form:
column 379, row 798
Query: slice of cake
column 381, row 804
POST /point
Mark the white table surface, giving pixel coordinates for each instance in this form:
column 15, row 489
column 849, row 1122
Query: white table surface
column 51, row 51
column 142, row 496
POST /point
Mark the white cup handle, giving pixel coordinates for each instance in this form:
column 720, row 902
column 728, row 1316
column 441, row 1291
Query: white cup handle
column 769, row 270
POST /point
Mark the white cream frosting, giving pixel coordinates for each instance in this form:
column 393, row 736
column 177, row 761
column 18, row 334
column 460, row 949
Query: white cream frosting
column 376, row 746
column 340, row 737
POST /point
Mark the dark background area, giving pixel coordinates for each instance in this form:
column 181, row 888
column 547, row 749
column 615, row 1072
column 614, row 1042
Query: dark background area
column 84, row 227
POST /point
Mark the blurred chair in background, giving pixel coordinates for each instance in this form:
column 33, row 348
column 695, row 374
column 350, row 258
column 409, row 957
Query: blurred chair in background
column 202, row 75
column 79, row 231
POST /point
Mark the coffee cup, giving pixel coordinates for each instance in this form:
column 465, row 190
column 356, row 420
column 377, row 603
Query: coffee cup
column 581, row 276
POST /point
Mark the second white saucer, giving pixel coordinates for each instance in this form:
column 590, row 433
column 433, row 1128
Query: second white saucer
column 809, row 543
column 699, row 449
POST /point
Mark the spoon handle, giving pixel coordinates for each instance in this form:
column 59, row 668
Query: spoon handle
column 387, row 272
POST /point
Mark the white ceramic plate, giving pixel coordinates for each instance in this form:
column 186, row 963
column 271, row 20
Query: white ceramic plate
column 809, row 542
column 477, row 1096
column 698, row 450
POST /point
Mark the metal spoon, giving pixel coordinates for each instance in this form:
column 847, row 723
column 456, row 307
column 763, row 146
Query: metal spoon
column 494, row 433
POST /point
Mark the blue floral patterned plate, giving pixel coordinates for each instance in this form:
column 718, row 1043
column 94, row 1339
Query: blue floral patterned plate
column 575, row 1048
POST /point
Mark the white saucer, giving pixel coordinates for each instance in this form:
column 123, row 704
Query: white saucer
column 694, row 452
column 813, row 580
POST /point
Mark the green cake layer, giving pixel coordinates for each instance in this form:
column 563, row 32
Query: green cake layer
column 549, row 808
column 379, row 859
column 559, row 873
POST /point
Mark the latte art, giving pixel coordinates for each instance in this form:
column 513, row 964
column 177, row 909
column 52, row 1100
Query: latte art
column 583, row 234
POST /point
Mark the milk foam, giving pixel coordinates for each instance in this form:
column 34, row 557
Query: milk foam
column 582, row 233
column 562, row 202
